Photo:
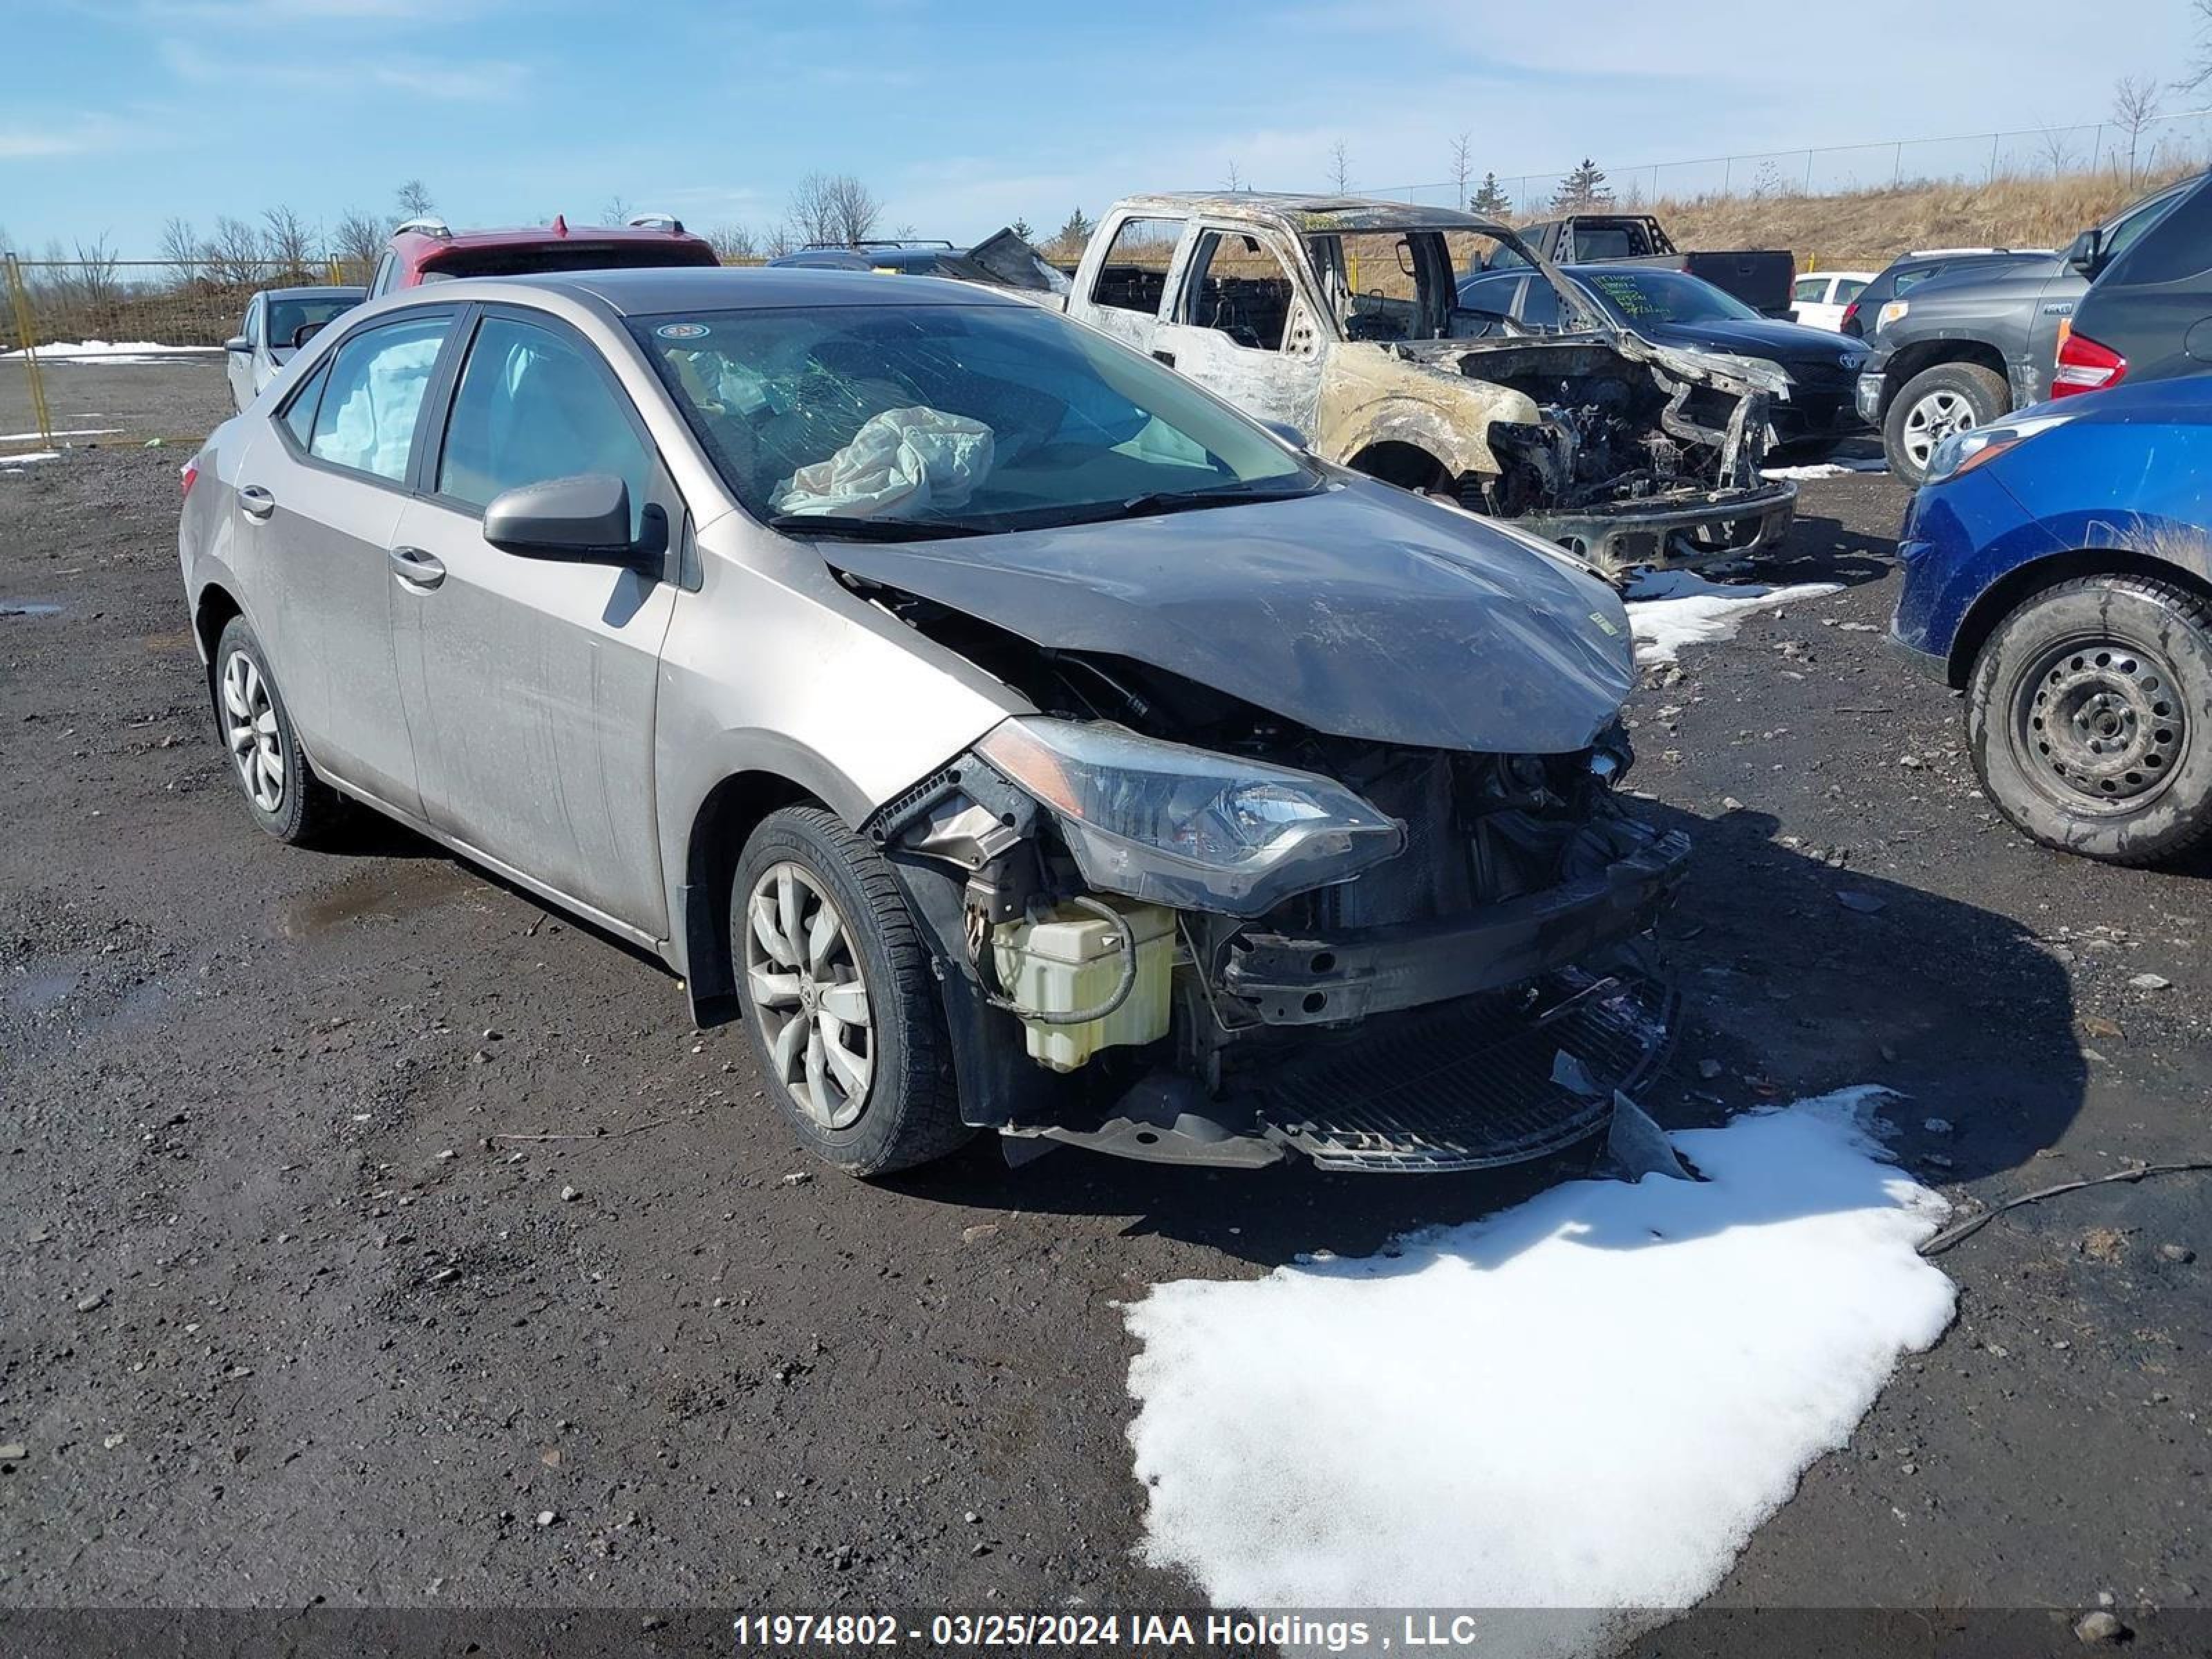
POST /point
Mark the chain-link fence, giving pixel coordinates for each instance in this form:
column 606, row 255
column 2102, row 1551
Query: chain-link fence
column 2160, row 146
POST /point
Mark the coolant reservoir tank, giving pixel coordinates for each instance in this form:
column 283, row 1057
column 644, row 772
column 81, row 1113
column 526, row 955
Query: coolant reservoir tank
column 1062, row 960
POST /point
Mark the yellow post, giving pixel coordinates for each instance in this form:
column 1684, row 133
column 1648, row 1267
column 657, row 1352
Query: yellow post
column 19, row 302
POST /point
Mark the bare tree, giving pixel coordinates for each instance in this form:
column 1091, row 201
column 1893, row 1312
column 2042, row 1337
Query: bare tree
column 414, row 199
column 2135, row 106
column 181, row 247
column 1767, row 182
column 1462, row 161
column 95, row 275
column 357, row 243
column 1340, row 169
column 733, row 244
column 288, row 240
column 2055, row 146
column 835, row 207
column 1232, row 181
column 616, row 210
column 235, row 254
column 2200, row 70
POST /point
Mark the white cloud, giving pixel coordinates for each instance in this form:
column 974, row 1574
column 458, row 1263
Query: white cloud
column 446, row 80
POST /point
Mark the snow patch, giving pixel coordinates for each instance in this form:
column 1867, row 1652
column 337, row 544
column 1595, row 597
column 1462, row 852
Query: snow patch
column 1584, row 1404
column 15, row 463
column 90, row 351
column 1825, row 469
column 60, row 432
column 1670, row 609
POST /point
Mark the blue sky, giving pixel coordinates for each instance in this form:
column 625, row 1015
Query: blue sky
column 963, row 116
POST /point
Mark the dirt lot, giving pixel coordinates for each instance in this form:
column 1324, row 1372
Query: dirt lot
column 356, row 1215
column 177, row 399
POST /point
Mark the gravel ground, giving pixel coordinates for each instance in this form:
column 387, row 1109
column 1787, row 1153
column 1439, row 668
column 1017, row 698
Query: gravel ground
column 177, row 400
column 368, row 1235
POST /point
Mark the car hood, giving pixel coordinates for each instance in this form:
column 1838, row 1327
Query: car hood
column 1359, row 612
column 1805, row 352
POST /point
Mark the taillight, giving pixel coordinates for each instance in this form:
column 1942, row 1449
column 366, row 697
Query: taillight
column 2084, row 365
column 1850, row 311
column 187, row 476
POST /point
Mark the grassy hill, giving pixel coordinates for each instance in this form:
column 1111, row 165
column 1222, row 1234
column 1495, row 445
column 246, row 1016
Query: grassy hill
column 1865, row 229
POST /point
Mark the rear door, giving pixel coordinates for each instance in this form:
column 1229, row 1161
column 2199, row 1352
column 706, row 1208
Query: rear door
column 1239, row 326
column 529, row 683
column 321, row 490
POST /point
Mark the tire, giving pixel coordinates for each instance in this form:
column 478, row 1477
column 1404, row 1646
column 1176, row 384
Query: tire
column 905, row 1108
column 1935, row 403
column 295, row 806
column 2085, row 715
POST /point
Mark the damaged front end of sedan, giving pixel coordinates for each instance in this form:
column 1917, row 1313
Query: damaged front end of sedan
column 1337, row 869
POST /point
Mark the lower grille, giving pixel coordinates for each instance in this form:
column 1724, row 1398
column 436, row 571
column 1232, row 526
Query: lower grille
column 1472, row 1085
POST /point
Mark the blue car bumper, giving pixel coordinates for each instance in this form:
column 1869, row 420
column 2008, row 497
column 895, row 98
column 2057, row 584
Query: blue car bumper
column 1960, row 538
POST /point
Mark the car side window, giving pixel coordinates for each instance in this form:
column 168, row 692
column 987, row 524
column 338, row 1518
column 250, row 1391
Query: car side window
column 1539, row 305
column 1810, row 291
column 250, row 324
column 1134, row 276
column 366, row 419
column 380, row 284
column 1238, row 287
column 1848, row 290
column 534, row 405
column 299, row 416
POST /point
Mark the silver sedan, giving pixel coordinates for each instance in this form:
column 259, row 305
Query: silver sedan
column 1010, row 734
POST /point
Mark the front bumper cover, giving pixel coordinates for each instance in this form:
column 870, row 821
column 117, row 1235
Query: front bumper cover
column 1673, row 533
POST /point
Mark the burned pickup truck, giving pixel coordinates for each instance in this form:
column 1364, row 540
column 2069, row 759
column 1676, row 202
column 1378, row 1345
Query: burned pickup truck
column 1338, row 318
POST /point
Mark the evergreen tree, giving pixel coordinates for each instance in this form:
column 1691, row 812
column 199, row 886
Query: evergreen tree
column 1585, row 187
column 1490, row 198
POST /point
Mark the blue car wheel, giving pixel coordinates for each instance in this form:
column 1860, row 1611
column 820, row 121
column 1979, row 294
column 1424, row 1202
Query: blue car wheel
column 2086, row 716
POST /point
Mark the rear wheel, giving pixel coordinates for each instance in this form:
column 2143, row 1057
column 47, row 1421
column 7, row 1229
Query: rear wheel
column 280, row 789
column 842, row 1006
column 2086, row 716
column 1931, row 406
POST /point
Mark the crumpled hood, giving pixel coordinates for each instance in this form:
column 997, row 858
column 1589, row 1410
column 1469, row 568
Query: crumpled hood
column 1360, row 612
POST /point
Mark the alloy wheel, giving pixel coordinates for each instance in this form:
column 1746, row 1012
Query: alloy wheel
column 809, row 994
column 2100, row 723
column 249, row 719
column 1934, row 418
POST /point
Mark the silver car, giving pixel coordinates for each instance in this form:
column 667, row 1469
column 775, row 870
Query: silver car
column 1010, row 733
column 278, row 321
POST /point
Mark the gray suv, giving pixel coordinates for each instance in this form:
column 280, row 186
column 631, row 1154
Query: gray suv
column 1012, row 735
column 1961, row 349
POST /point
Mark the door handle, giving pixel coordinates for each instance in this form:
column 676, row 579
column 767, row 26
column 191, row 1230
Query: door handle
column 257, row 502
column 416, row 568
column 1167, row 357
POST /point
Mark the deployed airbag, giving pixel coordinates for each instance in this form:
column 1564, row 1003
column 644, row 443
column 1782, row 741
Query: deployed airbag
column 900, row 462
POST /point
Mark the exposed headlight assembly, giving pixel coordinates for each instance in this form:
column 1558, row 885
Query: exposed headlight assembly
column 1962, row 451
column 1186, row 826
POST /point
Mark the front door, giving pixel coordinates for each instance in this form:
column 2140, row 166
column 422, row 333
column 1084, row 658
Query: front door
column 320, row 496
column 529, row 683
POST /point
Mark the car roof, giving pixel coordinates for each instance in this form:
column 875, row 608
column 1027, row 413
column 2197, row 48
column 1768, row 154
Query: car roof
column 417, row 246
column 315, row 288
column 734, row 287
column 1303, row 214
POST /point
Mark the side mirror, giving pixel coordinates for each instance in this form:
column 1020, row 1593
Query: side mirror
column 238, row 342
column 2084, row 254
column 306, row 331
column 1290, row 434
column 584, row 518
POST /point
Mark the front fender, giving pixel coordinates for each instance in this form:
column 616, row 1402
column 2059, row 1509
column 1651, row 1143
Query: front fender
column 1380, row 400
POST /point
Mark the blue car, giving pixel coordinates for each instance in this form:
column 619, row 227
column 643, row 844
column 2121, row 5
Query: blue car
column 2058, row 571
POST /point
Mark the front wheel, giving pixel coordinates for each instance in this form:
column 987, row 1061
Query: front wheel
column 2086, row 717
column 1931, row 406
column 840, row 1004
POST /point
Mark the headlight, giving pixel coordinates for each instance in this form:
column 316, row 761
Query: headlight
column 1962, row 451
column 1186, row 827
column 1891, row 312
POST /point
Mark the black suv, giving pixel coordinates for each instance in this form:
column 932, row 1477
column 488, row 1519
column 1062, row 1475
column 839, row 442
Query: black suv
column 2148, row 315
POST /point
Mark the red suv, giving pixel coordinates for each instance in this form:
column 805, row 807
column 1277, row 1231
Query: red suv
column 425, row 251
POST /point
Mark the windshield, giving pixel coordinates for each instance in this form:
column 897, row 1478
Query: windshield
column 1662, row 296
column 978, row 417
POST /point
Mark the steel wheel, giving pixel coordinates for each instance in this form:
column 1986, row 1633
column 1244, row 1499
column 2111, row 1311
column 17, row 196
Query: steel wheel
column 249, row 721
column 1933, row 418
column 2099, row 724
column 810, row 996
